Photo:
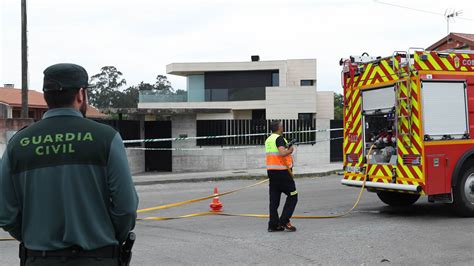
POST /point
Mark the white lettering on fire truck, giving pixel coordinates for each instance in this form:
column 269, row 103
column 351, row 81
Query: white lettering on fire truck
column 468, row 62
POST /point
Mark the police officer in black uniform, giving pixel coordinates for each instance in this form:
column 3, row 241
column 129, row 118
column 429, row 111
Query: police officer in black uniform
column 66, row 191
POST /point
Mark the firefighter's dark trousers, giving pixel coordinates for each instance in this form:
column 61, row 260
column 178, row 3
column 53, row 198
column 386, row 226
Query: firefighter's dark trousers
column 281, row 182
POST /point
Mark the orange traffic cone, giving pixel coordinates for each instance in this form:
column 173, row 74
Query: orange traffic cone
column 216, row 205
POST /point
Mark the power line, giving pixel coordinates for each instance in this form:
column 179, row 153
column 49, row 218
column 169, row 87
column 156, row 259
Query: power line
column 418, row 10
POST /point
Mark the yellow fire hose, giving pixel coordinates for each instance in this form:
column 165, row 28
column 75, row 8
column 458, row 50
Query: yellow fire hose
column 167, row 206
column 251, row 215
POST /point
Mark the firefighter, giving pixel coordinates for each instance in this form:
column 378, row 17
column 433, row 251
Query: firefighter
column 279, row 166
column 66, row 192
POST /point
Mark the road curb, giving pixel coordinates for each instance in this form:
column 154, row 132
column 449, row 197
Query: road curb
column 226, row 178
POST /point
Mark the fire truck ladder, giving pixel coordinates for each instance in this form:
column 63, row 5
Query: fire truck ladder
column 402, row 68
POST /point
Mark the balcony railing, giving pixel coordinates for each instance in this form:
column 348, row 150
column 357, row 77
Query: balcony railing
column 231, row 94
column 210, row 95
column 157, row 96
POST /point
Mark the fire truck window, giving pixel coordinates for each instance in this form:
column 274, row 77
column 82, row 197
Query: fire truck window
column 381, row 99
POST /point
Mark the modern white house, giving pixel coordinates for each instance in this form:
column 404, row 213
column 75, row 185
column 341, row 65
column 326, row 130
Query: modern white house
column 237, row 94
column 280, row 89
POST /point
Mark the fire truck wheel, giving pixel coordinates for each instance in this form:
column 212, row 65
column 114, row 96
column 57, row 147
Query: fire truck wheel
column 395, row 199
column 463, row 194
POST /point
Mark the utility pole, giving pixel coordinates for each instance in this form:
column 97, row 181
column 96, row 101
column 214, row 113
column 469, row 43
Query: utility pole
column 24, row 62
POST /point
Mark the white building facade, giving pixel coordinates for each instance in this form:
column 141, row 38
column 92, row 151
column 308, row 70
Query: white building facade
column 254, row 90
column 282, row 89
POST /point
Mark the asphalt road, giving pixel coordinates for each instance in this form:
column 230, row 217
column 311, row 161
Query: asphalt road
column 425, row 234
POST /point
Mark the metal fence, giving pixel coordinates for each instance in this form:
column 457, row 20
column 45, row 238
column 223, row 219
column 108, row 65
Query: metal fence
column 244, row 127
column 336, row 141
column 128, row 129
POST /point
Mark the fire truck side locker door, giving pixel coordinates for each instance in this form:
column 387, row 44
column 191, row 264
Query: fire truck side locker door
column 436, row 174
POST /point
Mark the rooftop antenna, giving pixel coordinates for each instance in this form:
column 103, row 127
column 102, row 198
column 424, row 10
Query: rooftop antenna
column 450, row 15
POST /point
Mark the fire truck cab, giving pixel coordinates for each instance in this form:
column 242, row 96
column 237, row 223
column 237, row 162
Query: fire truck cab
column 416, row 110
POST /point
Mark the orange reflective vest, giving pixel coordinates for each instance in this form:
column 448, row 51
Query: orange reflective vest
column 274, row 160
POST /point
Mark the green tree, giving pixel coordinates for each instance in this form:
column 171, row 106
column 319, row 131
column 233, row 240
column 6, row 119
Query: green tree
column 145, row 86
column 128, row 98
column 107, row 85
column 180, row 92
column 108, row 92
column 338, row 106
column 163, row 85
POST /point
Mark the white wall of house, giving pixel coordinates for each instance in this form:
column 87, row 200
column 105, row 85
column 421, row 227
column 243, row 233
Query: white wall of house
column 299, row 69
column 287, row 102
column 325, row 105
column 291, row 71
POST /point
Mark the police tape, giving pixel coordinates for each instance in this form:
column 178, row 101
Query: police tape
column 225, row 136
column 192, row 149
column 317, row 141
column 223, row 147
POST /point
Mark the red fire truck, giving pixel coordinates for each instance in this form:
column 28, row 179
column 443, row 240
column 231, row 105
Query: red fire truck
column 416, row 109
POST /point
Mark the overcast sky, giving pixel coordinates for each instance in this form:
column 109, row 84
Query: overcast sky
column 141, row 37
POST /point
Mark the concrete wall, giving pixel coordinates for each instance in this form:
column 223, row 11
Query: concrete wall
column 214, row 116
column 325, row 105
column 287, row 102
column 202, row 160
column 136, row 161
column 212, row 158
column 242, row 114
column 319, row 153
column 185, row 125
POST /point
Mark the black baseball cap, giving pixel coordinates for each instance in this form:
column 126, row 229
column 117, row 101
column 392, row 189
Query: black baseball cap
column 65, row 76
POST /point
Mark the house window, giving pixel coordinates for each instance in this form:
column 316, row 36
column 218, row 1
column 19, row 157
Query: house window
column 275, row 79
column 306, row 82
